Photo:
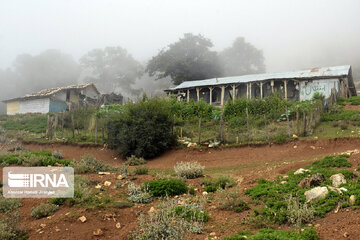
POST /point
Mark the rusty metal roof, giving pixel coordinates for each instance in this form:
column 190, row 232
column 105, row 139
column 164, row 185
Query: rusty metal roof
column 314, row 73
column 51, row 91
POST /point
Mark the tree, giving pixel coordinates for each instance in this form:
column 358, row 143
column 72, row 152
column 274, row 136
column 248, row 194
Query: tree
column 187, row 59
column 242, row 58
column 111, row 68
column 49, row 69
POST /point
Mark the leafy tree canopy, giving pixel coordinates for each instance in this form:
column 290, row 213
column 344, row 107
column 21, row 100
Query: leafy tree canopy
column 187, row 59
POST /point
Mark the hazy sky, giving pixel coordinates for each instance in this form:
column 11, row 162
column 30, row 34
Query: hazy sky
column 292, row 34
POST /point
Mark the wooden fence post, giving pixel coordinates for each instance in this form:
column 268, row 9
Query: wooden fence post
column 62, row 124
column 47, row 126
column 221, row 127
column 96, row 128
column 181, row 130
column 266, row 128
column 304, row 123
column 248, row 123
column 55, row 124
column 72, row 125
column 287, row 119
column 298, row 121
column 199, row 133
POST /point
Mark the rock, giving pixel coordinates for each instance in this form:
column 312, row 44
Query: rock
column 301, row 171
column 214, row 144
column 98, row 232
column 205, row 193
column 283, row 182
column 313, row 181
column 152, row 210
column 346, row 235
column 43, row 225
column 317, row 225
column 316, row 194
column 192, row 145
column 118, row 225
column 316, row 137
column 295, row 146
column 104, row 173
column 313, row 147
column 295, row 136
column 337, row 179
column 107, row 183
column 57, row 229
column 212, row 234
column 98, row 186
column 337, row 190
column 82, row 219
column 181, row 202
column 120, row 177
column 351, row 200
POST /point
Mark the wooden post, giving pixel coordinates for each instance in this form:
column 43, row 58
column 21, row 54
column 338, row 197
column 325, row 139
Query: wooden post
column 221, row 127
column 261, row 90
column 287, row 119
column 73, row 125
column 266, row 128
column 233, row 93
column 96, row 128
column 55, row 124
column 250, row 93
column 304, row 123
column 47, row 126
column 248, row 123
column 298, row 121
column 272, row 86
column 50, row 127
column 62, row 124
column 222, row 95
column 181, row 130
column 198, row 94
column 237, row 140
column 247, row 91
column 85, row 127
column 188, row 95
column 102, row 134
column 199, row 133
column 285, row 89
column 311, row 121
column 210, row 100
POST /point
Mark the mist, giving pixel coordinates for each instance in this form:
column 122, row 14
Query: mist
column 292, row 35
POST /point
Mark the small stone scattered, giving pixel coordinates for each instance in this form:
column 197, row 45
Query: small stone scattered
column 82, row 219
column 152, row 210
column 205, row 193
column 118, row 225
column 98, row 232
column 104, row 173
column 107, row 183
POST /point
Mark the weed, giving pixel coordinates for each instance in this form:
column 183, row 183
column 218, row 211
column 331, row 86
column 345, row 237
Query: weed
column 122, row 205
column 134, row 161
column 7, row 205
column 332, row 161
column 89, row 164
column 142, row 170
column 231, row 200
column 43, row 210
column 162, row 188
column 298, row 213
column 57, row 154
column 10, row 228
column 210, row 188
column 189, row 170
column 307, row 234
column 138, row 194
column 219, row 182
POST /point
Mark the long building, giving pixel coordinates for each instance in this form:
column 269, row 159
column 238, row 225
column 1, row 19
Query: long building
column 297, row 85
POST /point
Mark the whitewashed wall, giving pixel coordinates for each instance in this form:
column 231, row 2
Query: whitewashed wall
column 90, row 92
column 41, row 105
column 307, row 90
column 61, row 96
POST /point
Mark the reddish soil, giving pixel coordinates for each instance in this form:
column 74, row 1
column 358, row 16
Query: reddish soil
column 246, row 164
column 352, row 107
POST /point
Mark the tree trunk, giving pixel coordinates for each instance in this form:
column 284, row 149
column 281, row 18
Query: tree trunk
column 72, row 125
column 266, row 129
column 288, row 122
column 199, row 133
column 298, row 121
column 248, row 123
column 221, row 128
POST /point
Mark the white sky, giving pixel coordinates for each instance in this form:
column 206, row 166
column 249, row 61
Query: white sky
column 292, row 34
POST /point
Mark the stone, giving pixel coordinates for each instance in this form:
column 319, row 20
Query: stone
column 295, row 136
column 316, row 194
column 152, row 210
column 346, row 235
column 352, row 200
column 337, row 190
column 316, row 137
column 118, row 225
column 295, row 146
column 313, row 181
column 119, row 177
column 98, row 186
column 338, row 179
column 192, row 145
column 301, row 171
column 313, row 147
column 212, row 234
column 43, row 225
column 283, row 182
column 205, row 193
column 82, row 219
column 107, row 183
column 98, row 232
column 317, row 225
column 104, row 173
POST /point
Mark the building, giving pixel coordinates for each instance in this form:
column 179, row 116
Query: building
column 297, row 85
column 54, row 99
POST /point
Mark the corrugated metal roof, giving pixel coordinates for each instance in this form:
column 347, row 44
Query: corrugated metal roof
column 324, row 72
column 51, row 91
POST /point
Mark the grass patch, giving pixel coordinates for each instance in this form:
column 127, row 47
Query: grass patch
column 42, row 158
column 307, row 234
column 28, row 122
column 163, row 188
column 43, row 210
column 219, row 182
column 332, row 161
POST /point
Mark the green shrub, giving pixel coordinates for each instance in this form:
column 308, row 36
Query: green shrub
column 141, row 170
column 89, row 164
column 57, row 201
column 7, row 205
column 332, row 161
column 42, row 158
column 350, row 115
column 31, row 123
column 10, row 228
column 189, row 170
column 143, row 129
column 298, row 213
column 210, row 188
column 162, row 188
column 43, row 210
column 192, row 212
column 220, row 182
column 57, row 154
column 344, row 125
column 262, row 234
column 134, row 161
column 231, row 200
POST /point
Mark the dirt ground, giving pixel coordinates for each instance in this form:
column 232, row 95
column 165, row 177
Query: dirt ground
column 246, row 164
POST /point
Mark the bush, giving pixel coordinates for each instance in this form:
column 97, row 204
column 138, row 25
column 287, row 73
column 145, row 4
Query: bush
column 332, row 161
column 43, row 210
column 10, row 228
column 31, row 161
column 29, row 122
column 57, row 201
column 137, row 194
column 344, row 125
column 210, row 188
column 219, row 182
column 307, row 234
column 134, row 161
column 57, row 154
column 141, row 170
column 122, row 205
column 189, row 170
column 143, row 129
column 192, row 212
column 231, row 200
column 7, row 205
column 298, row 213
column 89, row 164
column 162, row 188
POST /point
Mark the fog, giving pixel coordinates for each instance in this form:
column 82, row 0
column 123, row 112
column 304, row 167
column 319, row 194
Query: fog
column 292, row 34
